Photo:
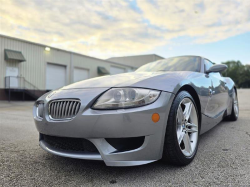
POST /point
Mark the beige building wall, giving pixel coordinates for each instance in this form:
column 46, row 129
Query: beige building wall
column 91, row 64
column 34, row 68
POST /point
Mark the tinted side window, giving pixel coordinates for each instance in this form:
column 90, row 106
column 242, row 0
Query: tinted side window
column 208, row 64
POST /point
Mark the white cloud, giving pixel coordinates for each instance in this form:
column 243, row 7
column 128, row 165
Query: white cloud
column 206, row 21
column 112, row 28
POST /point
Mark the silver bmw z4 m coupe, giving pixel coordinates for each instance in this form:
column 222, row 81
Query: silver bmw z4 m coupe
column 157, row 112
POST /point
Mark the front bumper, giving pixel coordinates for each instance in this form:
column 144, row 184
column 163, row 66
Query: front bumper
column 98, row 125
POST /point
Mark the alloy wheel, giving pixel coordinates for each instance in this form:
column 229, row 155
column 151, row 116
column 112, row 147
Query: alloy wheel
column 187, row 127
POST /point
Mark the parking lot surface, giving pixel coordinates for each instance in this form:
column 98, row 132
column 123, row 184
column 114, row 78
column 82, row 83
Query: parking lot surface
column 223, row 157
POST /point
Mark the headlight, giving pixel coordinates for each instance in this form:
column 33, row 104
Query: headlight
column 117, row 98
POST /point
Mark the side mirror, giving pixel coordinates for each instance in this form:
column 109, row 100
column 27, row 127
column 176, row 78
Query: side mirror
column 217, row 68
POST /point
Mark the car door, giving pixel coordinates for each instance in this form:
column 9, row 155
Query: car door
column 218, row 92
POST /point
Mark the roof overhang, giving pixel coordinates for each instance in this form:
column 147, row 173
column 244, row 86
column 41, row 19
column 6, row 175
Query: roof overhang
column 11, row 55
column 102, row 71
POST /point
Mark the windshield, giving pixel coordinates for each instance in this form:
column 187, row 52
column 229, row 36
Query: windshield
column 184, row 63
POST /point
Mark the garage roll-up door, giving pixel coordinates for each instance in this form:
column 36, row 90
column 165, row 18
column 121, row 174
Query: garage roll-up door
column 115, row 70
column 80, row 74
column 55, row 76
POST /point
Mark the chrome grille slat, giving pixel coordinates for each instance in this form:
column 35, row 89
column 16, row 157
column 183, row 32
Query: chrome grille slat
column 69, row 110
column 73, row 108
column 57, row 106
column 60, row 110
column 64, row 109
column 77, row 108
column 79, row 105
column 51, row 108
column 54, row 109
column 54, row 114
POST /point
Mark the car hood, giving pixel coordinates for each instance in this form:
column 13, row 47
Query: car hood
column 165, row 81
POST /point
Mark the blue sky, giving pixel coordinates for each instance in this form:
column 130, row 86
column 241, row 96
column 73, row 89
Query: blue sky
column 233, row 48
column 216, row 29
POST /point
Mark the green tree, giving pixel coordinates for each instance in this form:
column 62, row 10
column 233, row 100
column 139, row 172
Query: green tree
column 239, row 73
column 244, row 77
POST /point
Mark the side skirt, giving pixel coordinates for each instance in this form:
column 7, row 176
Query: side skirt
column 208, row 122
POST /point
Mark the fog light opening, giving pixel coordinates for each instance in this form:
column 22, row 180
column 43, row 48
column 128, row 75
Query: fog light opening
column 39, row 110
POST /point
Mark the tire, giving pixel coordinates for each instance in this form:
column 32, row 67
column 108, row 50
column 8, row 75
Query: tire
column 177, row 151
column 235, row 108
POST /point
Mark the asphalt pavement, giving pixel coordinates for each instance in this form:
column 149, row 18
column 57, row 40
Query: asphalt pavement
column 223, row 157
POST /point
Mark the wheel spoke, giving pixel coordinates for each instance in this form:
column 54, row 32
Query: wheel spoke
column 180, row 137
column 191, row 130
column 193, row 127
column 187, row 111
column 187, row 143
column 180, row 115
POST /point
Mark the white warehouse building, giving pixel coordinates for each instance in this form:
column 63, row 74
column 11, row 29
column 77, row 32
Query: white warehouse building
column 28, row 69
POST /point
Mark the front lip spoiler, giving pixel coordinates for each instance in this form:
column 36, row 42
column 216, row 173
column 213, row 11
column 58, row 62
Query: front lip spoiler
column 90, row 156
column 71, row 154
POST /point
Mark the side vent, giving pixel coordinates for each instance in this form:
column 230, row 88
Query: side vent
column 39, row 110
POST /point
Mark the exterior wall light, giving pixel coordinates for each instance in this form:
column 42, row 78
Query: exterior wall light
column 47, row 49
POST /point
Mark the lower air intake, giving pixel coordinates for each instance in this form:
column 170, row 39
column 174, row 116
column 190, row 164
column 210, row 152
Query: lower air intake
column 126, row 144
column 70, row 144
